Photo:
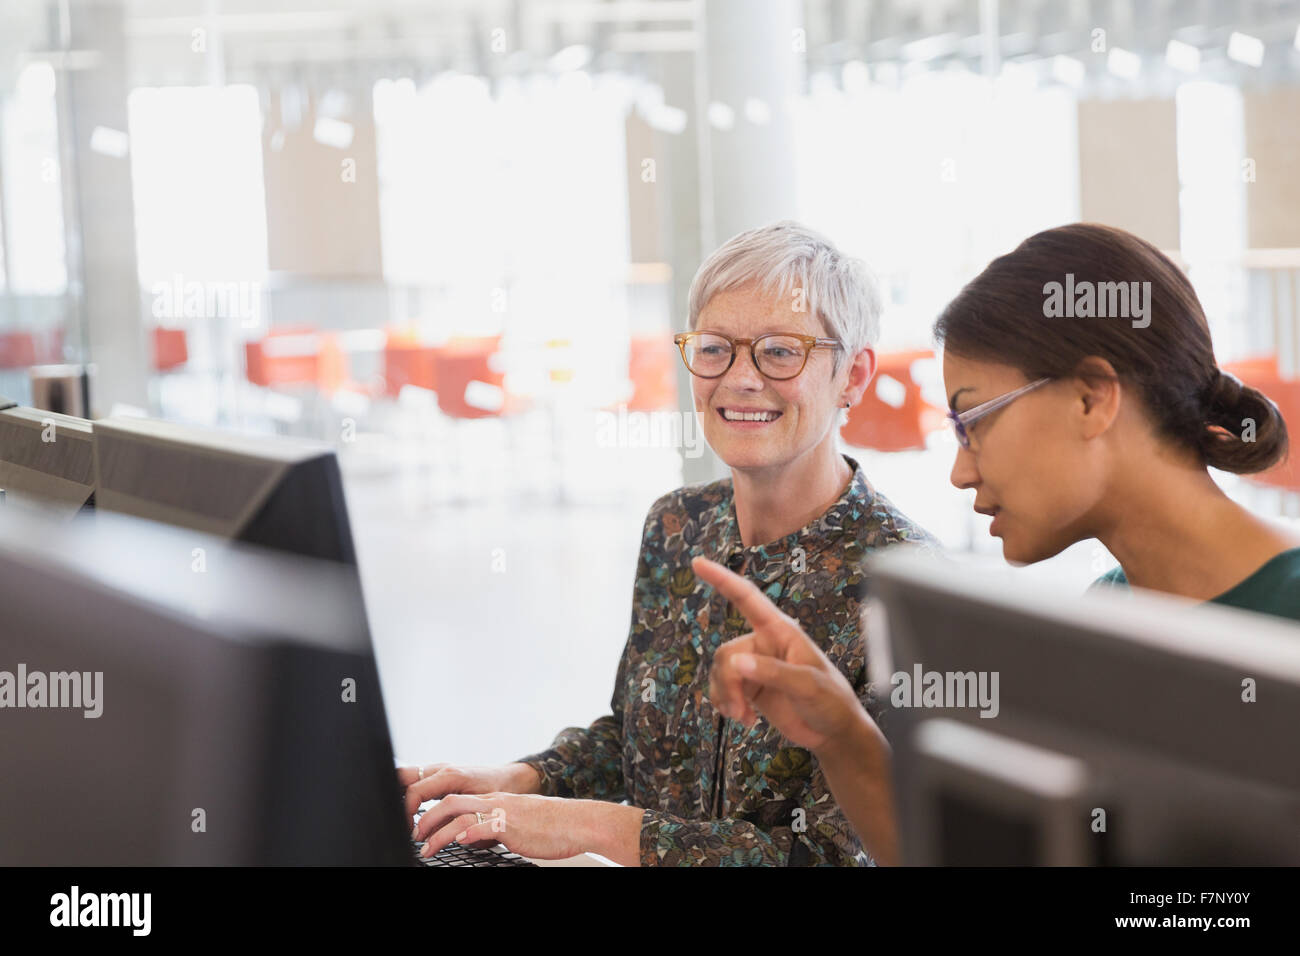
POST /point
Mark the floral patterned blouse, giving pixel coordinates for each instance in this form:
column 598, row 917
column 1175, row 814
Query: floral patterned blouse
column 715, row 792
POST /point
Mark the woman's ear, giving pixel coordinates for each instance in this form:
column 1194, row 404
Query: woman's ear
column 862, row 369
column 1099, row 394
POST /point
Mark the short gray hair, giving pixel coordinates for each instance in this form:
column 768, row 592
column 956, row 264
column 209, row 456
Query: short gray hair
column 784, row 257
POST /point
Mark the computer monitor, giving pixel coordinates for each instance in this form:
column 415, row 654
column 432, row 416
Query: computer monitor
column 276, row 492
column 1122, row 728
column 46, row 461
column 237, row 717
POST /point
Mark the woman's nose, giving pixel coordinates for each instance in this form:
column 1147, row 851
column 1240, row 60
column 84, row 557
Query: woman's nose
column 743, row 372
column 964, row 473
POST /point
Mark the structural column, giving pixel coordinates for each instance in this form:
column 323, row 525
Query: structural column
column 104, row 325
column 748, row 66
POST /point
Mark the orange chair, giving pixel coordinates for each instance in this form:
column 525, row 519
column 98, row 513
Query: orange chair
column 169, row 349
column 463, row 367
column 1262, row 373
column 886, row 424
column 408, row 363
column 318, row 359
column 651, row 367
column 1261, row 367
column 331, row 363
column 17, row 349
column 459, row 363
column 266, row 368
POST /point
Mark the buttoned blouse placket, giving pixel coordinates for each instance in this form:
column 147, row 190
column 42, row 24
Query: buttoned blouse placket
column 731, row 554
column 740, row 559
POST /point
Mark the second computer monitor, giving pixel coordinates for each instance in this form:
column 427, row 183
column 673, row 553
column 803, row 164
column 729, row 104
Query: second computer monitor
column 46, row 461
column 1033, row 728
column 279, row 493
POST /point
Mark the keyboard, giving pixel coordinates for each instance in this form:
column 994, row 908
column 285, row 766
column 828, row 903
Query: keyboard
column 456, row 855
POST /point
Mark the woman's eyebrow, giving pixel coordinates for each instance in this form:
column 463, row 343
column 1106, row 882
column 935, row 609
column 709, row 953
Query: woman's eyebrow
column 784, row 330
column 952, row 402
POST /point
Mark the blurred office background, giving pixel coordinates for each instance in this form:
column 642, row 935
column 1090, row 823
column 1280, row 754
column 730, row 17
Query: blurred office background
column 453, row 238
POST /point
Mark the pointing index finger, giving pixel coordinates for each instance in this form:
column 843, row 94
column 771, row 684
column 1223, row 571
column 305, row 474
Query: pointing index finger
column 757, row 607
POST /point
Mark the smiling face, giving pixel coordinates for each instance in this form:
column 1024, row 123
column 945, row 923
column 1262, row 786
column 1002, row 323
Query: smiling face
column 1034, row 464
column 753, row 422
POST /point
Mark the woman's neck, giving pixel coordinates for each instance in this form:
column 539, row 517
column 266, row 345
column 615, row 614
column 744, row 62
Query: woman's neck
column 1174, row 530
column 774, row 502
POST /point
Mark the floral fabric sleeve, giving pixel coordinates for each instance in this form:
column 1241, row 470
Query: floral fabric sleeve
column 584, row 762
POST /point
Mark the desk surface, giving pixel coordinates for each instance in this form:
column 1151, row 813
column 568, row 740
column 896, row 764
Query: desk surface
column 582, row 859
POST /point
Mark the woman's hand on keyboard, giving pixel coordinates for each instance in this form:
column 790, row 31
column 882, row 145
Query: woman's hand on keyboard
column 437, row 780
column 545, row 828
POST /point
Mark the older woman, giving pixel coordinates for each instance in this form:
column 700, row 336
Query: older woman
column 1067, row 430
column 782, row 326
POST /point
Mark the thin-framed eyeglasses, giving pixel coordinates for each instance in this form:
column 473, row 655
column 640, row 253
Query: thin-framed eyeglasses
column 777, row 355
column 962, row 420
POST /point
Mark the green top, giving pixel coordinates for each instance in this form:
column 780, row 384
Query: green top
column 1273, row 589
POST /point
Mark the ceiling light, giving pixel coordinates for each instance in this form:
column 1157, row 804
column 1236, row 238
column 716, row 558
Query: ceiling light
column 1124, row 63
column 1068, row 70
column 721, row 116
column 332, row 132
column 1246, row 49
column 1183, row 56
column 757, row 111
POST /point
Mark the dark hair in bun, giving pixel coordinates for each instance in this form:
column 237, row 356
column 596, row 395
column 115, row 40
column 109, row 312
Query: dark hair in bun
column 1229, row 405
column 1000, row 316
